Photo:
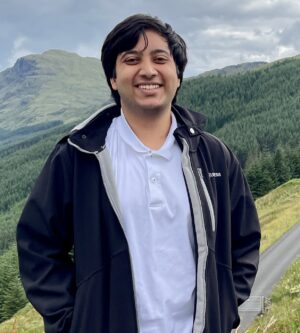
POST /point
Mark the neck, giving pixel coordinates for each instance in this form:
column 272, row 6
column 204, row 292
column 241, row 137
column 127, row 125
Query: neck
column 152, row 130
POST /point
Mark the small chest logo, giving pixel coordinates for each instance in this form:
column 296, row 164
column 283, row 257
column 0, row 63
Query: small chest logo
column 214, row 174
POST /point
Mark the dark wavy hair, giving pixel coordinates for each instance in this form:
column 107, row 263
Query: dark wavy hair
column 125, row 36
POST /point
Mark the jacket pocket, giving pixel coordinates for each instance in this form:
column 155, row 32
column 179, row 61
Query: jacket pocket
column 228, row 301
column 89, row 308
column 104, row 301
column 208, row 199
column 221, row 304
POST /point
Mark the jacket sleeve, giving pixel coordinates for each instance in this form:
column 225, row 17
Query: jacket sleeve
column 245, row 233
column 44, row 241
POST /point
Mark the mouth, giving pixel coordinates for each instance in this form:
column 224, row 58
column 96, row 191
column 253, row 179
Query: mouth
column 148, row 86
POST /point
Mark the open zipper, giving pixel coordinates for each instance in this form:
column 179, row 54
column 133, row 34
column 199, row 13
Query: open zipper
column 208, row 199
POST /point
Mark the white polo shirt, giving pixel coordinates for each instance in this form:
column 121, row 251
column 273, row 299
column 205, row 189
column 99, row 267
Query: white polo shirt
column 156, row 219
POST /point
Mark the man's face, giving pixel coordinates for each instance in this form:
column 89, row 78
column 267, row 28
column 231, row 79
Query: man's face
column 146, row 79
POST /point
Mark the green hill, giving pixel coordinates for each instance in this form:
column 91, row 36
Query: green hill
column 253, row 112
column 55, row 86
column 21, row 163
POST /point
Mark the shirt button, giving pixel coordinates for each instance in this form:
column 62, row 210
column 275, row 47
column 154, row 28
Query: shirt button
column 192, row 130
column 153, row 180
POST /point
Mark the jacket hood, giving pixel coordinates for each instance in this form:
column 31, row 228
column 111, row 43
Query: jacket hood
column 91, row 133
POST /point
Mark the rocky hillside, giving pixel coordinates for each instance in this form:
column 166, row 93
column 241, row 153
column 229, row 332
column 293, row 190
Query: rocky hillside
column 51, row 88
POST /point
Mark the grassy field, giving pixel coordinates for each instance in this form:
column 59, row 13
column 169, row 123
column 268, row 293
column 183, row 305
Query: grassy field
column 278, row 211
column 283, row 314
column 26, row 320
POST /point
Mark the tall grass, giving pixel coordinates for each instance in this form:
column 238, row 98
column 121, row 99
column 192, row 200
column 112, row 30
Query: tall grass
column 283, row 313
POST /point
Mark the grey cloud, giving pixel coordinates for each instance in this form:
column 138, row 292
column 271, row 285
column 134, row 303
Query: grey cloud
column 75, row 24
column 290, row 35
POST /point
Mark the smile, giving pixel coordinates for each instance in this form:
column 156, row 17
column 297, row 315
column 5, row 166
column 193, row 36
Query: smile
column 148, row 86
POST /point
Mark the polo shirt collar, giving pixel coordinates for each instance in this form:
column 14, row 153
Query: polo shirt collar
column 130, row 138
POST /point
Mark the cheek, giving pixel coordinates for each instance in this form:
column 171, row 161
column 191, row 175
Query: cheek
column 176, row 83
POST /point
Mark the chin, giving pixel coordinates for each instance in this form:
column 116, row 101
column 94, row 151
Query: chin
column 154, row 106
column 153, row 109
column 146, row 107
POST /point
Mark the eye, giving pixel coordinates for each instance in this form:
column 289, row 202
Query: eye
column 131, row 60
column 160, row 59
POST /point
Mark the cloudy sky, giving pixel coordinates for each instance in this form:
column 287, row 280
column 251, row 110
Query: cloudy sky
column 218, row 32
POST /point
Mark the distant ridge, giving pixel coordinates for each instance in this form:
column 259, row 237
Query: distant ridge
column 55, row 86
column 233, row 69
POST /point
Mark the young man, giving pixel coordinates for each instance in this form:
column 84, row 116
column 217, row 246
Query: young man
column 161, row 219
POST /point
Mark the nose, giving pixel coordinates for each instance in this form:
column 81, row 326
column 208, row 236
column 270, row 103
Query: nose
column 147, row 68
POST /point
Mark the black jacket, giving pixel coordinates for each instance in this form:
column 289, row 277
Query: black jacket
column 74, row 205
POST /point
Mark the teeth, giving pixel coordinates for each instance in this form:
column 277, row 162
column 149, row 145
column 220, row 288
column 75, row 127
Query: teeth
column 149, row 86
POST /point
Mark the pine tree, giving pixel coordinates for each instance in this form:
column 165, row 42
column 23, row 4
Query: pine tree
column 293, row 156
column 281, row 166
column 12, row 296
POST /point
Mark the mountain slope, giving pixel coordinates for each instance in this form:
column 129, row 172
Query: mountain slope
column 54, row 86
column 278, row 211
column 253, row 112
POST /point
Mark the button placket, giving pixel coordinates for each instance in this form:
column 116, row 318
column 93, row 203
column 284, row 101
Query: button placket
column 154, row 182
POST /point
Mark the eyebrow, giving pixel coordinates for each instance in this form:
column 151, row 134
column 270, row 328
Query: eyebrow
column 134, row 52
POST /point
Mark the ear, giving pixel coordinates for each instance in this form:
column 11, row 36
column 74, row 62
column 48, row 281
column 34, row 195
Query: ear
column 178, row 77
column 113, row 83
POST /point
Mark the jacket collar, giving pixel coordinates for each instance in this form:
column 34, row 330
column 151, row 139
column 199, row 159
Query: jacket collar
column 90, row 134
